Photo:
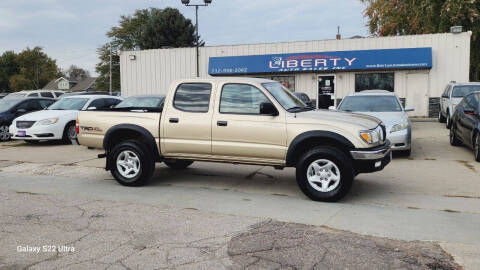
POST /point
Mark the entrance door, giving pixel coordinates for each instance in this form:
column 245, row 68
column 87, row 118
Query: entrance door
column 326, row 91
column 417, row 93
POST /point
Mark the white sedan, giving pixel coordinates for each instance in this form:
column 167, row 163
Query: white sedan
column 57, row 122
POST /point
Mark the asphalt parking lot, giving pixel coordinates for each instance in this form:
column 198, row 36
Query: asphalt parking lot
column 432, row 197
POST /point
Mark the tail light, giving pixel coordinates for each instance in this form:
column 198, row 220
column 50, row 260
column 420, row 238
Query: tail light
column 77, row 127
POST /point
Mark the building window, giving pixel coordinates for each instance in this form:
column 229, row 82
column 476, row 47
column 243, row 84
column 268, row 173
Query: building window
column 374, row 81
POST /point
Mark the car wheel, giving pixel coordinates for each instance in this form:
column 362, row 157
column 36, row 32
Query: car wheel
column 448, row 123
column 325, row 174
column 131, row 163
column 4, row 135
column 178, row 164
column 69, row 134
column 441, row 118
column 476, row 147
column 454, row 141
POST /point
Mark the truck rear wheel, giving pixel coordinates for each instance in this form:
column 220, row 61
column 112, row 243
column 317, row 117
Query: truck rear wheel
column 178, row 164
column 131, row 163
column 325, row 174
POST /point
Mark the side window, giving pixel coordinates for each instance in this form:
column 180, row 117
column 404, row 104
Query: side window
column 241, row 99
column 193, row 97
column 111, row 102
column 98, row 103
column 58, row 94
column 45, row 103
column 30, row 105
column 47, row 94
column 33, row 95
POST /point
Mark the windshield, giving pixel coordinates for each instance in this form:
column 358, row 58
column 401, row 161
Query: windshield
column 463, row 90
column 141, row 102
column 284, row 96
column 69, row 104
column 6, row 105
column 14, row 95
column 370, row 104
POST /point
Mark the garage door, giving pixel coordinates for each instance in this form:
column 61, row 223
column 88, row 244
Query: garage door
column 417, row 93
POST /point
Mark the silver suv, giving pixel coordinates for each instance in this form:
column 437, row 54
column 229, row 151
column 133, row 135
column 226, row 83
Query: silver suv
column 453, row 94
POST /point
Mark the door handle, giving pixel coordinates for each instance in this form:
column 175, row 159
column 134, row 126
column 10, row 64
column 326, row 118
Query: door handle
column 173, row 120
column 222, row 123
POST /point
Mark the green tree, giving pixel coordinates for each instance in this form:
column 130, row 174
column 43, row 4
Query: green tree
column 76, row 73
column 410, row 17
column 146, row 29
column 8, row 68
column 36, row 70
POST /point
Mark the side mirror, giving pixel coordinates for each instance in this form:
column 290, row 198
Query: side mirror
column 91, row 108
column 409, row 109
column 267, row 108
column 332, row 108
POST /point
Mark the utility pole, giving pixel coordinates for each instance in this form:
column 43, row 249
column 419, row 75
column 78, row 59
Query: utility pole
column 110, row 76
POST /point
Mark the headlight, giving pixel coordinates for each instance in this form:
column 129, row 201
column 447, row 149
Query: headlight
column 399, row 127
column 370, row 136
column 49, row 121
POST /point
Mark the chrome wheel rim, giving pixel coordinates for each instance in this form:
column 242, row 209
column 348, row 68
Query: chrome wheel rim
column 323, row 175
column 128, row 164
column 72, row 134
column 4, row 135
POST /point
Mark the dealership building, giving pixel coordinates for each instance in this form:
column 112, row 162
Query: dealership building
column 417, row 67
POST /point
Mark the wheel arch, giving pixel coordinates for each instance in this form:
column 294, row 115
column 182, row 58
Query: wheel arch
column 122, row 132
column 308, row 139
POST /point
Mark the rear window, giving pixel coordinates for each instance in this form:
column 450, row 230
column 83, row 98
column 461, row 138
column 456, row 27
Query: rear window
column 47, row 94
column 463, row 90
column 193, row 97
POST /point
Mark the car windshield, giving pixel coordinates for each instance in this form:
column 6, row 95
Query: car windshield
column 15, row 95
column 69, row 104
column 463, row 90
column 6, row 105
column 141, row 102
column 370, row 103
column 285, row 97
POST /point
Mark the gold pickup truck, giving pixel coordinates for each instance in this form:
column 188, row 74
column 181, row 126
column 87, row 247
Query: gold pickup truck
column 242, row 121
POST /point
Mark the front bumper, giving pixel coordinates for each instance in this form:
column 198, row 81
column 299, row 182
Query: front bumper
column 43, row 132
column 400, row 140
column 372, row 160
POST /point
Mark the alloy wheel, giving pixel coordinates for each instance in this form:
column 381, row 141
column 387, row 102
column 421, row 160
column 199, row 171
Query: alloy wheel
column 72, row 134
column 128, row 164
column 4, row 135
column 323, row 175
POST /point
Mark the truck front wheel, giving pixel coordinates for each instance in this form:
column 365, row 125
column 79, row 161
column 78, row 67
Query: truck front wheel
column 131, row 163
column 325, row 174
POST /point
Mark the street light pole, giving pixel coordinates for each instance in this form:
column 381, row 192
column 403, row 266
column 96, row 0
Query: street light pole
column 197, row 37
column 110, row 72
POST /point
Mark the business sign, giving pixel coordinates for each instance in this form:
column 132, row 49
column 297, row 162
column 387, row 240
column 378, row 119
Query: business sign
column 386, row 59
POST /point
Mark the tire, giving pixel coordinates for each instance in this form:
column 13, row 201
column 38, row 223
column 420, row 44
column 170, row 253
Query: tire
column 448, row 122
column 454, row 140
column 4, row 135
column 476, row 147
column 69, row 134
column 441, row 118
column 178, row 164
column 337, row 177
column 135, row 156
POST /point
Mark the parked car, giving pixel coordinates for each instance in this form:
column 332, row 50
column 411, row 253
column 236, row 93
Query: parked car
column 241, row 121
column 58, row 121
column 385, row 106
column 151, row 103
column 13, row 108
column 304, row 97
column 466, row 124
column 453, row 94
column 35, row 93
column 83, row 93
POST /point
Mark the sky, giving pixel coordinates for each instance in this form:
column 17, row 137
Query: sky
column 70, row 31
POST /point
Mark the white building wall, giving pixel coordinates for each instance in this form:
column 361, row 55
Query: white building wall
column 152, row 71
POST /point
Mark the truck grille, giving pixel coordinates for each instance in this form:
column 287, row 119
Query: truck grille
column 25, row 124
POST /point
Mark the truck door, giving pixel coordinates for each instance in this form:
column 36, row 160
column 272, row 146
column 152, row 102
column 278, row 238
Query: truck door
column 240, row 132
column 186, row 122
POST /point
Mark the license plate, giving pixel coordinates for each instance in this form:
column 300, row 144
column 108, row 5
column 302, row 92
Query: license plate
column 21, row 133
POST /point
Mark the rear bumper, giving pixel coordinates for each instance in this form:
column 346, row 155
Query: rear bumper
column 372, row 160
